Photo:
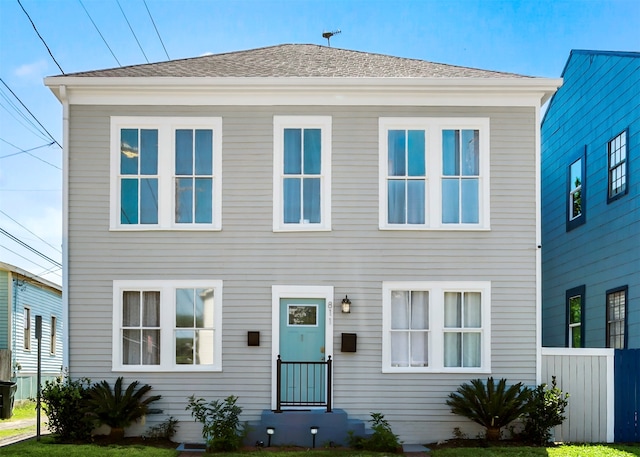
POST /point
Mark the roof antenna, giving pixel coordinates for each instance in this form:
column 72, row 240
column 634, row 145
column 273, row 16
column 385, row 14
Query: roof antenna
column 328, row 36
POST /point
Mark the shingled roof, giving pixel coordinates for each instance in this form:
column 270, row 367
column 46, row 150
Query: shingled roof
column 297, row 61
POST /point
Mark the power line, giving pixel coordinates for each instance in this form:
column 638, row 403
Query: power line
column 24, row 106
column 45, row 242
column 22, row 151
column 39, row 36
column 154, row 26
column 99, row 33
column 131, row 28
column 25, row 245
column 22, row 119
column 46, row 270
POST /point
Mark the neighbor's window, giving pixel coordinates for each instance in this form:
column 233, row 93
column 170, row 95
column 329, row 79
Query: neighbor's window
column 617, row 318
column 576, row 194
column 302, row 173
column 434, row 173
column 53, row 340
column 27, row 328
column 430, row 326
column 618, row 166
column 167, row 325
column 575, row 309
column 166, row 173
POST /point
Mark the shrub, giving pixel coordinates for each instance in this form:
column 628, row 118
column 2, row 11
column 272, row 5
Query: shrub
column 382, row 440
column 116, row 408
column 64, row 402
column 546, row 410
column 490, row 405
column 221, row 427
column 164, row 430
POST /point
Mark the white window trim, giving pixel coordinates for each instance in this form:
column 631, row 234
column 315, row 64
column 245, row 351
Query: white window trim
column 304, row 122
column 166, row 127
column 433, row 128
column 436, row 324
column 167, row 290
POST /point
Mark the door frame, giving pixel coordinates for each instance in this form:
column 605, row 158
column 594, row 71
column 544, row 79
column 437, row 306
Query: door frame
column 279, row 292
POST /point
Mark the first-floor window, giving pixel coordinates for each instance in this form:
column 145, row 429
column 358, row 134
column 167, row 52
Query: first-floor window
column 616, row 317
column 27, row 329
column 436, row 326
column 167, row 325
column 53, row 341
column 575, row 307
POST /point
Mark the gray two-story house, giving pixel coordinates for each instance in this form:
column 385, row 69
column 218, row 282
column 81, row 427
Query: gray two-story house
column 304, row 227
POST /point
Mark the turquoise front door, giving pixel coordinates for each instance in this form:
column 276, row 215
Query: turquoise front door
column 302, row 340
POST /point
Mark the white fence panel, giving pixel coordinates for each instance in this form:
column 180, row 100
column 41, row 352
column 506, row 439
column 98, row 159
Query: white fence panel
column 587, row 375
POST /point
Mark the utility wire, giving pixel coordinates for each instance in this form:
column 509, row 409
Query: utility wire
column 36, row 119
column 45, row 242
column 133, row 33
column 20, row 117
column 46, row 270
column 99, row 33
column 39, row 36
column 23, row 151
column 154, row 26
column 25, row 245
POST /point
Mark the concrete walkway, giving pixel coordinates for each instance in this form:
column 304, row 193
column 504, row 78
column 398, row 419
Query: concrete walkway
column 19, row 424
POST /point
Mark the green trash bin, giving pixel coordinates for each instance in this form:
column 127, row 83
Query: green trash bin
column 7, row 394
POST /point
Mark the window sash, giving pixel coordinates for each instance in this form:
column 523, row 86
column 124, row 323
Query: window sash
column 617, row 152
column 616, row 318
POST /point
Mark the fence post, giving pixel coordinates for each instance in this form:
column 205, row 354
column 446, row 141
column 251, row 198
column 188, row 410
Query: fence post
column 278, row 385
column 329, row 387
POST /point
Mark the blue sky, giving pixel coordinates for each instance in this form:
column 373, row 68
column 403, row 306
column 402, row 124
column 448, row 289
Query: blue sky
column 532, row 37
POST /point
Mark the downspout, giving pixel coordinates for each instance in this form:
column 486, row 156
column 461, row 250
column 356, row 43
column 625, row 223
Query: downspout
column 538, row 248
column 65, row 226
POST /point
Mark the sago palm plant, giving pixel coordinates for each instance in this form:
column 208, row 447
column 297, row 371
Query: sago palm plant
column 489, row 404
column 117, row 408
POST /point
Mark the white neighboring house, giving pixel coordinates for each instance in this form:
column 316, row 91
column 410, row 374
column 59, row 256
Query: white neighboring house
column 219, row 210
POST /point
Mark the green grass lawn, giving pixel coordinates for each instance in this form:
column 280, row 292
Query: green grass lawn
column 593, row 450
column 22, row 410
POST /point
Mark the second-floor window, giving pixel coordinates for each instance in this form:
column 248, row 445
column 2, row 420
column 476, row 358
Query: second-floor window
column 576, row 195
column 617, row 152
column 27, row 329
column 434, row 173
column 166, row 173
column 302, row 173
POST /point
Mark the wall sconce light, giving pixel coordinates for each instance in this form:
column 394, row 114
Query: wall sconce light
column 346, row 305
column 270, row 431
column 314, row 432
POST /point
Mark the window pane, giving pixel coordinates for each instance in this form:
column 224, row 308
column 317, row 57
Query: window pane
column 419, row 310
column 450, row 153
column 396, row 144
column 204, row 347
column 184, row 152
column 470, row 153
column 204, row 152
column 453, row 309
column 204, row 200
column 396, row 202
column 185, row 308
column 472, row 308
column 151, row 347
column 415, row 201
column 419, row 349
column 452, row 349
column 575, row 310
column 184, row 200
column 292, row 200
column 131, row 309
column 311, row 200
column 129, row 201
column 416, row 153
column 400, row 349
column 148, row 152
column 129, row 151
column 470, row 201
column 151, row 309
column 204, row 300
column 471, row 350
column 292, row 151
column 312, row 164
column 199, row 309
column 149, row 201
column 576, row 337
column 185, row 343
column 450, row 201
column 131, row 346
column 576, row 174
column 399, row 309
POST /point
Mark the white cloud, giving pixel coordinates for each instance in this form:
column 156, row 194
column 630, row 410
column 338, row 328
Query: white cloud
column 33, row 70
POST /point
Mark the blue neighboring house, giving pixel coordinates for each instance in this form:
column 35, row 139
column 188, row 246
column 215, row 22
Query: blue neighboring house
column 591, row 204
column 23, row 296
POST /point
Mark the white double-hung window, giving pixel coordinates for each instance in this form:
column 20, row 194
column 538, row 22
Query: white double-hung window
column 434, row 173
column 167, row 325
column 436, row 326
column 166, row 173
column 302, row 173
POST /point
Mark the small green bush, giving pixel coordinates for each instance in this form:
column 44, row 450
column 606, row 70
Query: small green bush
column 546, row 410
column 221, row 427
column 164, row 430
column 64, row 402
column 382, row 440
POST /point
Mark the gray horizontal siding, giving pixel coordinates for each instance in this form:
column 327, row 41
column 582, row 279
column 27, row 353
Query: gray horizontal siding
column 355, row 257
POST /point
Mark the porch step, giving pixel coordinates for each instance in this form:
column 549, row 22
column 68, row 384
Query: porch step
column 294, row 428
